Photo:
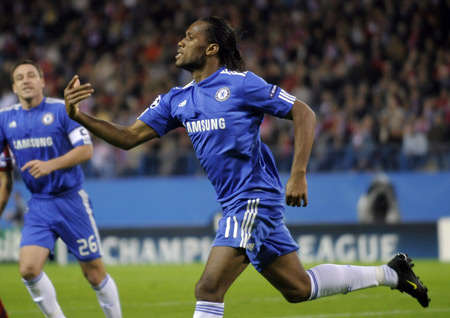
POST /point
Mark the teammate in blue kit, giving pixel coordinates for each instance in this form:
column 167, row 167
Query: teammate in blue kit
column 48, row 148
column 222, row 109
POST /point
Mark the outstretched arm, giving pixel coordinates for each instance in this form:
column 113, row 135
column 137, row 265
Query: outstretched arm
column 304, row 124
column 124, row 137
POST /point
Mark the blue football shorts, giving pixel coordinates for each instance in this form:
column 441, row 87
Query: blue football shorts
column 68, row 216
column 256, row 225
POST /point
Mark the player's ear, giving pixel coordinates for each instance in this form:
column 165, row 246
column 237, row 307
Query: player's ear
column 212, row 49
column 42, row 82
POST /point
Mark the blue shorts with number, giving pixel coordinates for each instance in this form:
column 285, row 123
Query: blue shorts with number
column 256, row 225
column 68, row 216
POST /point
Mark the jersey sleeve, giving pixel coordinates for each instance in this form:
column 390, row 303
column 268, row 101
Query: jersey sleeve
column 77, row 134
column 158, row 116
column 80, row 136
column 266, row 98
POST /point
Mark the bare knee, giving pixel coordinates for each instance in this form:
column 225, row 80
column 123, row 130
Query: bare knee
column 296, row 296
column 94, row 276
column 93, row 271
column 288, row 276
column 297, row 293
column 31, row 261
column 208, row 291
column 28, row 271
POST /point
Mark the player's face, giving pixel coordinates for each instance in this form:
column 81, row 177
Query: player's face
column 28, row 84
column 192, row 49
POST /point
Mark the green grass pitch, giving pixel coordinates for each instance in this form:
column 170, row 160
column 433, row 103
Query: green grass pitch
column 161, row 291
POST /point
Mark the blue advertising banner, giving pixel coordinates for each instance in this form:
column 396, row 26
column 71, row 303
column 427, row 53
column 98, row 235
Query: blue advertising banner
column 190, row 201
column 318, row 243
column 365, row 243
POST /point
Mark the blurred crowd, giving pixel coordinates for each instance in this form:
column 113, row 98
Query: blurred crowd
column 377, row 73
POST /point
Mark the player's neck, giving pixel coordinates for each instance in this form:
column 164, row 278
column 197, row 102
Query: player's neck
column 29, row 103
column 205, row 72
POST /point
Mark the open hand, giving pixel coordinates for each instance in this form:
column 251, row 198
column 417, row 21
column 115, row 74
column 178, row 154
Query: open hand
column 74, row 94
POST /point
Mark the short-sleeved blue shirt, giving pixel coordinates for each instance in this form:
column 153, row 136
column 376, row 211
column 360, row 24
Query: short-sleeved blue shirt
column 44, row 132
column 222, row 115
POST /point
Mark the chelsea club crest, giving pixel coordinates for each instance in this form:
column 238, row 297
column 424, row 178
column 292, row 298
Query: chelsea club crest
column 223, row 94
column 48, row 118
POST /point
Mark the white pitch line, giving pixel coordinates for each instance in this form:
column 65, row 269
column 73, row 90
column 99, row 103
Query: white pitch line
column 373, row 313
column 24, row 313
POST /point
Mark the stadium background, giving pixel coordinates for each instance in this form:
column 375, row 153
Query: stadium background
column 377, row 74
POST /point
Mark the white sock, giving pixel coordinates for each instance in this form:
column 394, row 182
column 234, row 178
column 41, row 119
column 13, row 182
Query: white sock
column 108, row 297
column 329, row 279
column 43, row 293
column 207, row 309
column 387, row 276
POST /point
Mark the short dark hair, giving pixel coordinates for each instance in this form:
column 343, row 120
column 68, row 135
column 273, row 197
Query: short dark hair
column 220, row 31
column 23, row 62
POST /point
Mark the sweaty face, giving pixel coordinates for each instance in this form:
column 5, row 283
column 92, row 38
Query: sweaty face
column 192, row 49
column 28, row 84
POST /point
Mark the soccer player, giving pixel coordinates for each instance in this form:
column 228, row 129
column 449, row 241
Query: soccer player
column 6, row 178
column 222, row 109
column 48, row 148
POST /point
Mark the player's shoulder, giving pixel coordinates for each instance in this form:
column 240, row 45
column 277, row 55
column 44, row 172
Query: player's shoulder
column 181, row 89
column 233, row 78
column 52, row 101
column 55, row 106
column 167, row 98
column 236, row 78
column 13, row 107
column 227, row 72
column 178, row 91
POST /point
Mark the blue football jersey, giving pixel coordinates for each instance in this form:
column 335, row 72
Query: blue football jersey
column 44, row 132
column 222, row 115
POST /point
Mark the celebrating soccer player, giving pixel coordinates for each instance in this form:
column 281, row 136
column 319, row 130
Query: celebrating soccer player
column 222, row 110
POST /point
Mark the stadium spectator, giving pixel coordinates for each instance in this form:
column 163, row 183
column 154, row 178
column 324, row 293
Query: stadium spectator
column 414, row 144
column 438, row 135
column 379, row 204
column 48, row 148
column 222, row 110
column 308, row 47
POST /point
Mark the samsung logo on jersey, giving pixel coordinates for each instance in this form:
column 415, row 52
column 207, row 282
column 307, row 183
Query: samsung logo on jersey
column 205, row 125
column 33, row 143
